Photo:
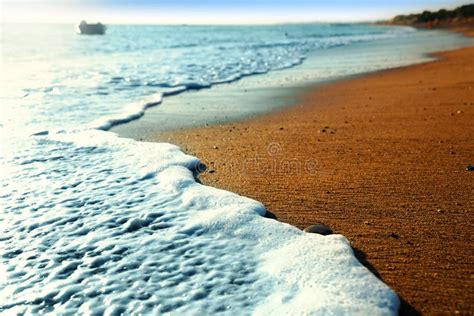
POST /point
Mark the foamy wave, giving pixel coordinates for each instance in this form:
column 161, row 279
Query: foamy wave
column 115, row 225
column 134, row 110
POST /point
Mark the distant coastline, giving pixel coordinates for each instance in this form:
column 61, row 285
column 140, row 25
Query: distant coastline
column 462, row 16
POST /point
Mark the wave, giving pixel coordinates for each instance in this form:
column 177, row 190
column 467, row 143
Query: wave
column 122, row 226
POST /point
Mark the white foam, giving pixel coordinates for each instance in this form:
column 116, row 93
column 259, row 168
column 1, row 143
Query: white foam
column 131, row 230
column 134, row 110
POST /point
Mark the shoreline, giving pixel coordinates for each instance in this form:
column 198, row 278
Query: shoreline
column 257, row 95
column 329, row 158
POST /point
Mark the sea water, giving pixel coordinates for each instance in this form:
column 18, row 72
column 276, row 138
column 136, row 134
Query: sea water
column 259, row 94
column 94, row 223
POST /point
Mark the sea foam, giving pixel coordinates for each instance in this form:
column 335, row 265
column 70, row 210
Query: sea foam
column 109, row 225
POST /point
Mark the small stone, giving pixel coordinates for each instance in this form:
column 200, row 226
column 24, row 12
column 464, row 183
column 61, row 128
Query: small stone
column 459, row 112
column 469, row 168
column 211, row 171
column 394, row 235
column 366, row 222
column 200, row 167
column 215, row 147
column 452, row 152
column 439, row 210
column 318, row 229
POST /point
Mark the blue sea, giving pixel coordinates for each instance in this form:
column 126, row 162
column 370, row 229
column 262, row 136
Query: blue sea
column 96, row 223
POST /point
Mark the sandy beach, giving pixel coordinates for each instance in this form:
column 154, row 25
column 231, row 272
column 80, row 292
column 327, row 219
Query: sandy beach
column 380, row 159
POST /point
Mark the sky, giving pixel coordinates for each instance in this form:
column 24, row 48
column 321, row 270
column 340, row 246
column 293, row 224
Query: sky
column 212, row 11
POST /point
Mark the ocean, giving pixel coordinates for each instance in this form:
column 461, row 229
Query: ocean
column 92, row 222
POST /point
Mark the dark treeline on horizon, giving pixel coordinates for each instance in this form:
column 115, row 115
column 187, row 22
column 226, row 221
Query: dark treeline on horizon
column 465, row 12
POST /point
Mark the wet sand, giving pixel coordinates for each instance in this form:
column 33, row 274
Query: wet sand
column 380, row 159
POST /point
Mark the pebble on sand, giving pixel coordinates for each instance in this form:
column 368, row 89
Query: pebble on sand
column 394, row 235
column 469, row 168
column 318, row 229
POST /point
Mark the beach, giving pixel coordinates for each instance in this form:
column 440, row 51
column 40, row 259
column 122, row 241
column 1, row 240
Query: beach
column 103, row 213
column 381, row 159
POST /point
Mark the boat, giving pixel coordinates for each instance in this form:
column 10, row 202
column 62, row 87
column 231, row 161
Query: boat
column 85, row 28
